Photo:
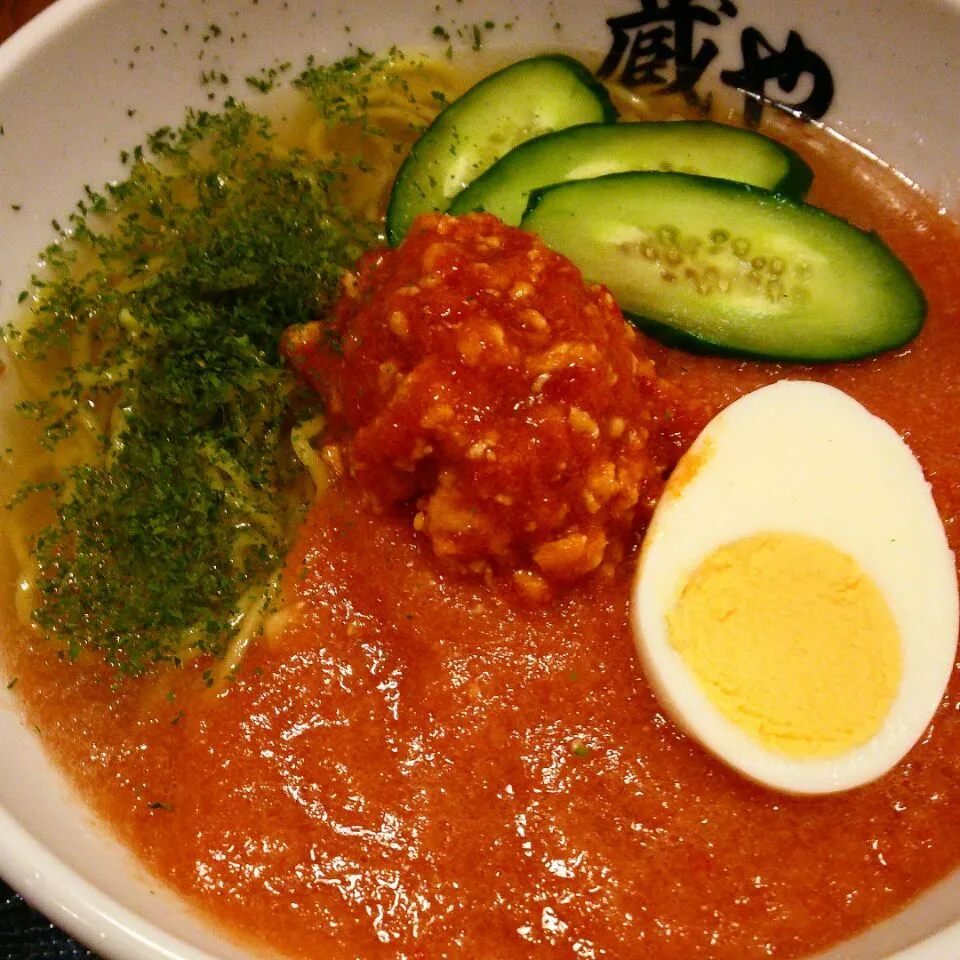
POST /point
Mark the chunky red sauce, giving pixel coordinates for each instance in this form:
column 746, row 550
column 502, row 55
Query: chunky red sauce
column 421, row 767
column 510, row 405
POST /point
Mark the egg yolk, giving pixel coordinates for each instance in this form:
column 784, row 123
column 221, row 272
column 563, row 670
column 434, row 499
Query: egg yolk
column 792, row 641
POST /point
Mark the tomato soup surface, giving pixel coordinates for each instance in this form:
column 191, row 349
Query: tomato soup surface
column 419, row 764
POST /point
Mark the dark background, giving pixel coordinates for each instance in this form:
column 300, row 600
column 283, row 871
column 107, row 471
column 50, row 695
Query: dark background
column 24, row 933
column 27, row 935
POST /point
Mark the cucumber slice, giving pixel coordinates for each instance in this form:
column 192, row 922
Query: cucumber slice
column 722, row 267
column 592, row 150
column 524, row 100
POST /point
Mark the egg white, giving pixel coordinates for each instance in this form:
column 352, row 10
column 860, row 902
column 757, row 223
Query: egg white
column 802, row 457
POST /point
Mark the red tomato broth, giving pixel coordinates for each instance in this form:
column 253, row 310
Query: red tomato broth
column 420, row 758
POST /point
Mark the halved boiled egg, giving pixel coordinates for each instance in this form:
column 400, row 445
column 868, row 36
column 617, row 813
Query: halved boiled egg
column 795, row 604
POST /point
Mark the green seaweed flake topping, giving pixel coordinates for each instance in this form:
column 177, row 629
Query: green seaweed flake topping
column 162, row 308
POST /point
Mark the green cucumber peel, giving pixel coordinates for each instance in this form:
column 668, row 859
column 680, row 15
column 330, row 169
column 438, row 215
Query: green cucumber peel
column 524, row 100
column 701, row 147
column 727, row 268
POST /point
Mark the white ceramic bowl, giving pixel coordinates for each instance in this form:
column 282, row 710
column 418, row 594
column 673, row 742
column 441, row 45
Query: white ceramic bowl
column 91, row 77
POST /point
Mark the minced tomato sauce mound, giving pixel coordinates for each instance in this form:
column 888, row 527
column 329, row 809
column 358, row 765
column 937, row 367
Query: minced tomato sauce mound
column 473, row 375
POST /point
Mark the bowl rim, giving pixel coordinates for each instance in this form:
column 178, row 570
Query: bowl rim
column 74, row 904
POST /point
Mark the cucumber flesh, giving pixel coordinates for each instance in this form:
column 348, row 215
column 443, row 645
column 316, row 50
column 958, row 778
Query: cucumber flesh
column 687, row 146
column 524, row 100
column 722, row 267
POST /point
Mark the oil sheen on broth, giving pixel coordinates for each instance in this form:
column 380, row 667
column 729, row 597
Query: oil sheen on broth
column 412, row 763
